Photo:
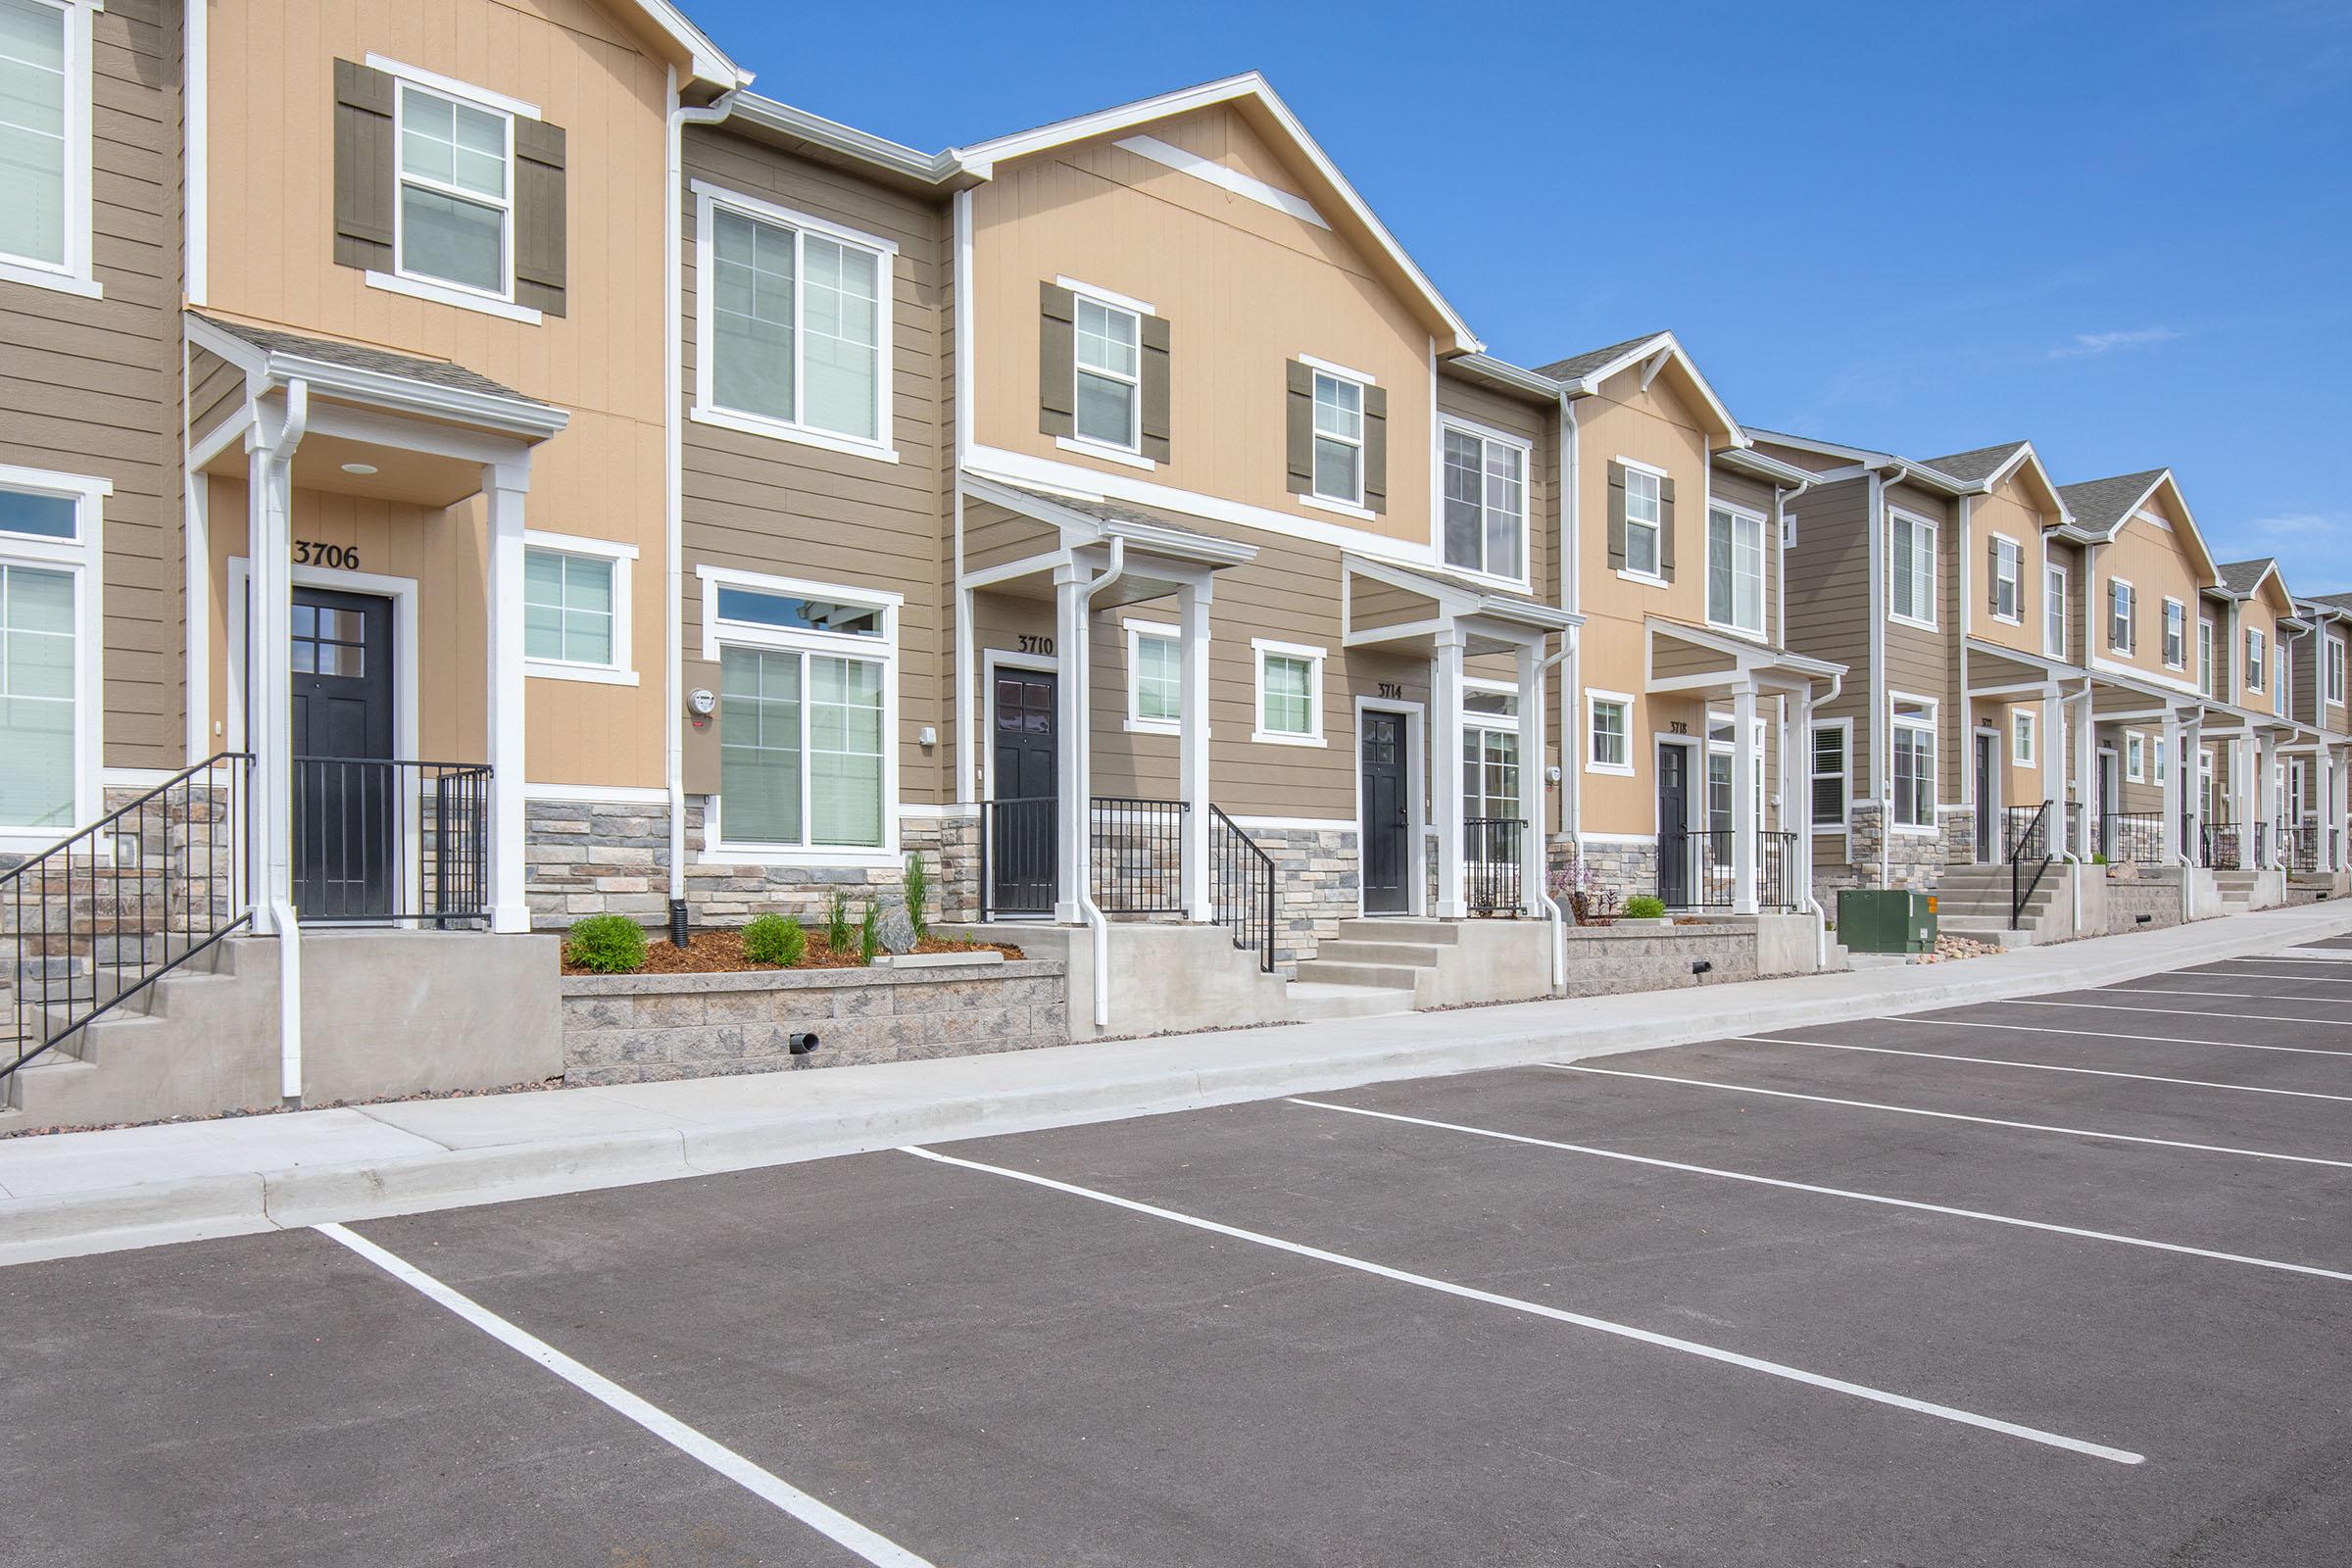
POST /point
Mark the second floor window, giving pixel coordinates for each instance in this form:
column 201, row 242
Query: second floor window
column 1339, row 439
column 1486, row 504
column 2008, row 587
column 795, row 327
column 1913, row 564
column 1645, row 518
column 2119, row 615
column 2053, row 612
column 1736, row 570
column 1109, row 373
column 456, row 197
column 2254, row 660
column 2335, row 669
column 2205, row 655
column 2175, row 643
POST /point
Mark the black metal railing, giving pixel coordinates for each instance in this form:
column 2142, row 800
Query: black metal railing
column 98, row 918
column 1776, row 870
column 2074, row 827
column 1136, row 855
column 2029, row 854
column 1694, row 868
column 1493, row 871
column 2133, row 836
column 1020, row 860
column 384, row 839
column 2219, row 847
column 2299, row 847
column 2262, row 846
column 1241, row 888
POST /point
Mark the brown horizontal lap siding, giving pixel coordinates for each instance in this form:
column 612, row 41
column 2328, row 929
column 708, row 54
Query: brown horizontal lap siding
column 1829, row 601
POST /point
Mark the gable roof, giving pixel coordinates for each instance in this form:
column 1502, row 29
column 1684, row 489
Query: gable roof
column 2243, row 578
column 705, row 61
column 1979, row 463
column 361, row 372
column 2329, row 604
column 1263, row 110
column 1577, row 366
column 1582, row 374
column 2102, row 505
column 1899, row 469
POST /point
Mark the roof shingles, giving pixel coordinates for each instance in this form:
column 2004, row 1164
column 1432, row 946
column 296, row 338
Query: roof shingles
column 361, row 356
column 2101, row 504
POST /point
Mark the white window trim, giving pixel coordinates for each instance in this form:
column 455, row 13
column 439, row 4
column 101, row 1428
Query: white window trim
column 448, row 290
column 2016, row 579
column 1088, row 448
column 75, row 273
column 2337, row 657
column 1259, row 647
column 2209, row 660
column 1763, row 572
column 2136, row 757
column 1896, row 516
column 2131, row 619
column 2164, row 617
column 622, row 669
column 1933, row 723
column 1657, row 579
column 2258, row 656
column 1130, row 450
column 1111, row 297
column 1593, row 697
column 1436, row 504
column 2058, row 596
column 1844, row 776
column 1322, row 371
column 2024, row 725
column 883, row 650
column 1137, row 630
column 456, row 294
column 707, row 199
column 82, row 558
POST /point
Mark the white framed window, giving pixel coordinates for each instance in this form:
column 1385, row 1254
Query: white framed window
column 454, row 221
column 2176, row 634
column 2156, row 757
column 807, row 721
column 2025, row 735
column 1490, row 756
column 2256, row 662
column 50, row 528
column 2120, row 607
column 1788, row 530
column 2136, row 757
column 576, row 608
column 1339, row 439
column 1833, row 771
column 1609, row 731
column 1736, row 570
column 1913, row 734
column 1483, row 502
column 1108, row 383
column 1155, row 677
column 792, row 325
column 2053, row 612
column 2205, row 655
column 45, row 98
column 1645, row 518
column 2335, row 669
column 1290, row 693
column 2008, row 580
column 1911, row 563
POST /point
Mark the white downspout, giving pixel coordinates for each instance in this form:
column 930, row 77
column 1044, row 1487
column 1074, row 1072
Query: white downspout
column 674, row 482
column 1821, row 916
column 1572, row 589
column 278, row 472
column 1552, row 916
column 1082, row 657
column 1881, row 740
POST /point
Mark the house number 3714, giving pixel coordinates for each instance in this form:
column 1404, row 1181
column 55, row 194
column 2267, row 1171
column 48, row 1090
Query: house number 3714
column 338, row 558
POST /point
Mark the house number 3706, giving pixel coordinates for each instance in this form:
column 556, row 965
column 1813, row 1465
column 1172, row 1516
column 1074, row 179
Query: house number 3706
column 338, row 558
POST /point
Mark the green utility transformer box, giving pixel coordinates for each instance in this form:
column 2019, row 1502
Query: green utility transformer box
column 1886, row 920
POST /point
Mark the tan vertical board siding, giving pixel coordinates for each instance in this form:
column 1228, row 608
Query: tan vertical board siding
column 1927, row 664
column 763, row 504
column 92, row 386
column 2157, row 563
column 2262, row 613
column 2007, row 511
column 1245, row 289
column 1754, row 495
column 272, row 232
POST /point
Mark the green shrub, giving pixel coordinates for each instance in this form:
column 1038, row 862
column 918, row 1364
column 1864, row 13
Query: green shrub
column 775, row 938
column 1644, row 906
column 838, row 930
column 2098, row 859
column 918, row 896
column 870, row 932
column 605, row 944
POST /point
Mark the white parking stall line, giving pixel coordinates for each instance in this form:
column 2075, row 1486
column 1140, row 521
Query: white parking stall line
column 2237, row 1017
column 2306, row 955
column 1626, row 1331
column 2038, row 1066
column 1837, row 1192
column 2109, row 1034
column 1954, row 1115
column 826, row 1521
column 2270, row 974
column 2233, row 996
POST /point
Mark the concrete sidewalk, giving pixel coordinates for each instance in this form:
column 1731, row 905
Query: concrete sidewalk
column 71, row 1193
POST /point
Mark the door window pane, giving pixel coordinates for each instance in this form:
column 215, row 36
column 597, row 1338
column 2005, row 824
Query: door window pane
column 37, row 698
column 43, row 516
column 32, row 131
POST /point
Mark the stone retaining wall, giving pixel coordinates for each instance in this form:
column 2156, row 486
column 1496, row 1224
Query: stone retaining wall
column 1607, row 959
column 2130, row 897
column 646, row 1028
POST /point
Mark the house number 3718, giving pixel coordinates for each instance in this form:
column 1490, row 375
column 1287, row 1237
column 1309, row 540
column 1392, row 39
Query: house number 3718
column 338, row 558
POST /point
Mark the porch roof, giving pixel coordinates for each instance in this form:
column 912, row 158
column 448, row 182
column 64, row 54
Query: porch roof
column 1091, row 520
column 1387, row 603
column 1994, row 668
column 375, row 377
column 1702, row 659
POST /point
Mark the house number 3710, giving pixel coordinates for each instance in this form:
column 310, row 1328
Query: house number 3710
column 338, row 558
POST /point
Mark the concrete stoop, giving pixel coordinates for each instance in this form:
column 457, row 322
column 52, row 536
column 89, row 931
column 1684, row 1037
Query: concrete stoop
column 1428, row 963
column 1973, row 901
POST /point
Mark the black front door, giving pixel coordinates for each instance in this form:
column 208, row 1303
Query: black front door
column 347, row 799
column 1022, row 832
column 1984, row 799
column 1674, row 818
column 1384, row 831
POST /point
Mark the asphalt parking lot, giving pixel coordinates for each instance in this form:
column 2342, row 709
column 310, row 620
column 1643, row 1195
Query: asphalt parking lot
column 2059, row 1281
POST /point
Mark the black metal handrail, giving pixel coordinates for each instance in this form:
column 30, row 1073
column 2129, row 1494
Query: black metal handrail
column 1241, row 886
column 2133, row 836
column 1776, row 865
column 2299, row 848
column 2029, row 854
column 380, row 839
column 1021, row 859
column 2262, row 845
column 1694, row 868
column 125, row 907
column 1136, row 864
column 2218, row 845
column 1492, row 867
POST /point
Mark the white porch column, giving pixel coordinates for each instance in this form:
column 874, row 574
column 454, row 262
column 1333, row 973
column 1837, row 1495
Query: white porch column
column 1533, row 861
column 2325, row 783
column 2087, row 789
column 269, row 714
column 2169, row 835
column 1069, row 754
column 1192, row 609
column 503, row 485
column 1445, row 771
column 1797, row 797
column 2266, row 785
column 1744, row 797
column 2192, row 771
column 2053, row 757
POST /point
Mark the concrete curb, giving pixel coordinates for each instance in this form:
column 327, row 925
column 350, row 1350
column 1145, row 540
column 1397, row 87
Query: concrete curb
column 987, row 1096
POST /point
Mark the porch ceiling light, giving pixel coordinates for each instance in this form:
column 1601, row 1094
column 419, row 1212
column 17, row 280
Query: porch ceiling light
column 363, row 469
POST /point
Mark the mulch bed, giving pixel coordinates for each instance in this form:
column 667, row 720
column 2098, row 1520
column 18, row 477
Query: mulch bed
column 721, row 953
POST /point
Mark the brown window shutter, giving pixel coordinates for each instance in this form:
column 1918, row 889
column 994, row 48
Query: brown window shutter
column 1666, row 529
column 539, row 215
column 364, row 184
column 1057, row 361
column 1993, row 576
column 1617, row 517
column 1154, row 332
column 1300, row 426
column 1376, row 449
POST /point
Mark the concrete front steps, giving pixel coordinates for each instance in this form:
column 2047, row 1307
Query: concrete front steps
column 1973, row 901
column 2238, row 890
column 1411, row 963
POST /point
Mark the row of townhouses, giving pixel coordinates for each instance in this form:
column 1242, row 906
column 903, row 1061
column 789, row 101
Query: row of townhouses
column 506, row 469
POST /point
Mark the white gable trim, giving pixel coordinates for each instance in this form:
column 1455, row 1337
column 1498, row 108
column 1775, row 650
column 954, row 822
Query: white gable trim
column 1227, row 179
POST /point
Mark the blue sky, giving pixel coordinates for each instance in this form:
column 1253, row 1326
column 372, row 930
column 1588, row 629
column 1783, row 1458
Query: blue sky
column 2121, row 231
